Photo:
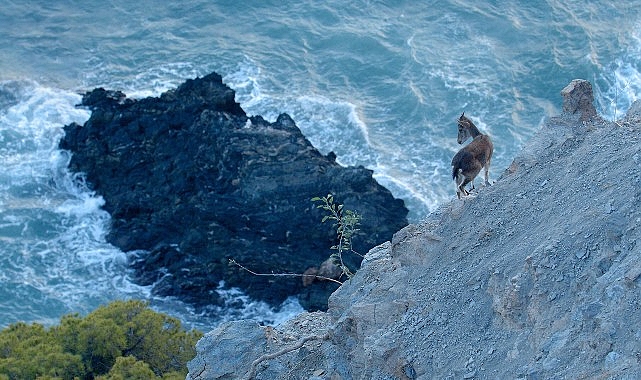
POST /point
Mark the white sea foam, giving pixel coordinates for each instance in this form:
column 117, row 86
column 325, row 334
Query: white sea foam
column 53, row 228
column 245, row 82
column 150, row 82
column 238, row 305
column 622, row 88
column 336, row 126
column 619, row 83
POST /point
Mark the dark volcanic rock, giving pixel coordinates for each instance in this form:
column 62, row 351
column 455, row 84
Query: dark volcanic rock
column 192, row 181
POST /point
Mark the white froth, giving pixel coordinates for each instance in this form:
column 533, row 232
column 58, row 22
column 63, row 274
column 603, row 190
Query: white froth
column 238, row 305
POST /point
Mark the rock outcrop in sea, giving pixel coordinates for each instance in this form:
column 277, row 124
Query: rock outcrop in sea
column 191, row 182
column 536, row 277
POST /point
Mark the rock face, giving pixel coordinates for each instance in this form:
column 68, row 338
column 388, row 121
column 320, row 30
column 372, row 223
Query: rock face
column 537, row 277
column 191, row 181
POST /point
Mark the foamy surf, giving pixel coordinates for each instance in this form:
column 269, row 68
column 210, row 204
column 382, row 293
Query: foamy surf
column 52, row 231
column 333, row 126
column 238, row 305
column 618, row 89
column 52, row 226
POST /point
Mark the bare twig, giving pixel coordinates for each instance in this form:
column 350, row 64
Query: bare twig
column 232, row 261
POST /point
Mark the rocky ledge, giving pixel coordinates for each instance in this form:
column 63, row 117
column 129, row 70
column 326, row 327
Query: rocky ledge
column 191, row 182
column 537, row 277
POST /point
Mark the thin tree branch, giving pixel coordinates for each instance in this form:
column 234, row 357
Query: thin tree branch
column 232, row 261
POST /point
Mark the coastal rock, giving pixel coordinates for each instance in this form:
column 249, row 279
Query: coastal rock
column 236, row 341
column 578, row 99
column 191, row 182
column 536, row 277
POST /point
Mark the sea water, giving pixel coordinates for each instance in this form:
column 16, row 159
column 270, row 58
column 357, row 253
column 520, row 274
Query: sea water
column 380, row 83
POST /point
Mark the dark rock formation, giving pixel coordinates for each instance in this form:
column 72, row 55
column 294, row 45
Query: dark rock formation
column 192, row 181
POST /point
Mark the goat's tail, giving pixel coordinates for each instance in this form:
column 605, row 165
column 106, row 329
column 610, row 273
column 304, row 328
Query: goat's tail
column 455, row 172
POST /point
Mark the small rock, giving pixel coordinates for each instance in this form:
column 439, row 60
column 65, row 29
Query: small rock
column 469, row 362
column 582, row 254
column 611, row 359
column 469, row 375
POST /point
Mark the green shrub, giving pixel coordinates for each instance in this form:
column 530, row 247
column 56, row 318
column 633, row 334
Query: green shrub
column 346, row 223
column 124, row 339
column 128, row 368
column 29, row 351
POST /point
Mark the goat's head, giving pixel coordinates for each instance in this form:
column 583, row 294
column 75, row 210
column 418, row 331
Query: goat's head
column 464, row 128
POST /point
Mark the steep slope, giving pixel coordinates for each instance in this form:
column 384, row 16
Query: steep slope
column 536, row 277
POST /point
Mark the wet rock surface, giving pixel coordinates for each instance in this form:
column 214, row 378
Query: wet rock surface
column 191, row 181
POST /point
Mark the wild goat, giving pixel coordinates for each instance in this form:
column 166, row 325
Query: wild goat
column 469, row 161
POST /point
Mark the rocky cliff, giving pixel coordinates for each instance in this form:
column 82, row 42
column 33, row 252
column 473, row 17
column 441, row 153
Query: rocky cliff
column 536, row 277
column 191, row 182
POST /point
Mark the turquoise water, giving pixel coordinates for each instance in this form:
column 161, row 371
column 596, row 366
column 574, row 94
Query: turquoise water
column 379, row 83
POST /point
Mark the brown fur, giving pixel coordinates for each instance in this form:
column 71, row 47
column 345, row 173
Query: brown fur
column 309, row 276
column 327, row 270
column 469, row 161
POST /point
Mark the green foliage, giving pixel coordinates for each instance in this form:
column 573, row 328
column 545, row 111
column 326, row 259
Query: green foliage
column 123, row 340
column 128, row 368
column 29, row 351
column 346, row 223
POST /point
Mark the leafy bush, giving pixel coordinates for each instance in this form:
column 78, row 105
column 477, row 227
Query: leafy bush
column 123, row 340
column 29, row 351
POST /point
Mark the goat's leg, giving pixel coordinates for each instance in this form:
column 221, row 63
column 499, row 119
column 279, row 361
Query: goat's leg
column 463, row 191
column 460, row 181
column 457, row 185
column 487, row 173
column 466, row 181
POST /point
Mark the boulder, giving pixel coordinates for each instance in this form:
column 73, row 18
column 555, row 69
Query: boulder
column 191, row 182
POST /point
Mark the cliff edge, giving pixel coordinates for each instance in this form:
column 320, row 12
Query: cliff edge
column 536, row 277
